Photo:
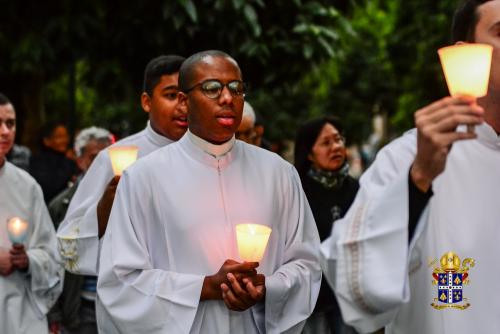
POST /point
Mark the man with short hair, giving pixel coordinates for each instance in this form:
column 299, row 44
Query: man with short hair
column 436, row 188
column 30, row 273
column 75, row 309
column 171, row 244
column 88, row 212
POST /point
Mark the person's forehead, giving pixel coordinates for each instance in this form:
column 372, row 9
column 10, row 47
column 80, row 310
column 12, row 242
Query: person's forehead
column 60, row 130
column 7, row 111
column 329, row 129
column 489, row 13
column 220, row 68
column 168, row 81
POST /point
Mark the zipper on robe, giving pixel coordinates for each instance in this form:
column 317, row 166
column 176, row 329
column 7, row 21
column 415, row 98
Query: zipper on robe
column 228, row 225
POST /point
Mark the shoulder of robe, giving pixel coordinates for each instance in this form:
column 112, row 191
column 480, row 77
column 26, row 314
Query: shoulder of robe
column 129, row 140
column 268, row 158
column 21, row 178
column 394, row 158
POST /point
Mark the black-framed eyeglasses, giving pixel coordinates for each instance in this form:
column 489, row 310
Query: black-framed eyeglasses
column 213, row 88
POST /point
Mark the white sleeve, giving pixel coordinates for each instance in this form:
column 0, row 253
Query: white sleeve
column 45, row 275
column 138, row 297
column 366, row 258
column 292, row 290
column 78, row 234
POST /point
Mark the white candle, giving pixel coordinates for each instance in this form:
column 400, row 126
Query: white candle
column 122, row 157
column 17, row 230
column 466, row 68
column 252, row 241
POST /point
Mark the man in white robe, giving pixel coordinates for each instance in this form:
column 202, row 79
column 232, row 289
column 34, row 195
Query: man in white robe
column 86, row 220
column 170, row 263
column 388, row 259
column 30, row 273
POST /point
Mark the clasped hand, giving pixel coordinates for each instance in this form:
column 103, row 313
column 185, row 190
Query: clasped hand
column 237, row 284
column 15, row 258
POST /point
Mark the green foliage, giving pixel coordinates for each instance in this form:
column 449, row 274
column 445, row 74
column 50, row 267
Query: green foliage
column 302, row 58
column 108, row 45
column 389, row 65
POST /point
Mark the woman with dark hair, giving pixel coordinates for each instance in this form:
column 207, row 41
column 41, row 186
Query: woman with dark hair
column 50, row 167
column 321, row 160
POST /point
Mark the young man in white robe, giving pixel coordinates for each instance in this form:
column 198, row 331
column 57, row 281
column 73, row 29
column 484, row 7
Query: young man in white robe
column 86, row 220
column 30, row 273
column 170, row 261
column 427, row 210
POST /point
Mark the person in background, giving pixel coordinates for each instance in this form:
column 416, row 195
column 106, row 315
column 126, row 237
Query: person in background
column 320, row 159
column 246, row 130
column 20, row 156
column 86, row 220
column 74, row 311
column 30, row 272
column 50, row 167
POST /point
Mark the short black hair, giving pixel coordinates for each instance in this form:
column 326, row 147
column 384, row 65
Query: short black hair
column 186, row 72
column 306, row 137
column 4, row 100
column 465, row 21
column 157, row 67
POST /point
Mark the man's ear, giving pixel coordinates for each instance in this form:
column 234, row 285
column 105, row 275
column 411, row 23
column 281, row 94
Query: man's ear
column 146, row 102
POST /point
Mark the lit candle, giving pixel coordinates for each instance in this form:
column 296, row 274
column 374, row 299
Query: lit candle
column 122, row 157
column 252, row 241
column 17, row 230
column 466, row 68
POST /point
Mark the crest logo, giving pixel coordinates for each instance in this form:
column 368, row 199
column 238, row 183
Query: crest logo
column 450, row 279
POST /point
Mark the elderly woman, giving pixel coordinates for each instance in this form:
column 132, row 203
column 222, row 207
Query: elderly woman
column 320, row 159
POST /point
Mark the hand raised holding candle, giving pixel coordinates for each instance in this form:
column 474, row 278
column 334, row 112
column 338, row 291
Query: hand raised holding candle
column 106, row 203
column 19, row 257
column 436, row 132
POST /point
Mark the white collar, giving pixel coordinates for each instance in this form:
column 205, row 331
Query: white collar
column 155, row 137
column 212, row 149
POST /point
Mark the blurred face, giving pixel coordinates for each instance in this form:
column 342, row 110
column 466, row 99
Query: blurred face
column 7, row 130
column 328, row 152
column 214, row 119
column 488, row 32
column 89, row 153
column 167, row 117
column 58, row 139
column 246, row 131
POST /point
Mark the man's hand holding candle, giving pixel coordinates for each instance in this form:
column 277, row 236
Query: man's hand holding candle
column 230, row 273
column 19, row 257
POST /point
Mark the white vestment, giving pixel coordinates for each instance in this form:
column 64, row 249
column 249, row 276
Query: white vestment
column 78, row 234
column 173, row 223
column 381, row 280
column 25, row 298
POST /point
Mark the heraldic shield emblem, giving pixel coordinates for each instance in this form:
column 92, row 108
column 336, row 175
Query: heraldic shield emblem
column 451, row 277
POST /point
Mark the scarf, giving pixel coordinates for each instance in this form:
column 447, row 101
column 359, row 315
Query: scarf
column 329, row 179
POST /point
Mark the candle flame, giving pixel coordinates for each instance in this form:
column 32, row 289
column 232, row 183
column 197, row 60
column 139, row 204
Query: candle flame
column 17, row 229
